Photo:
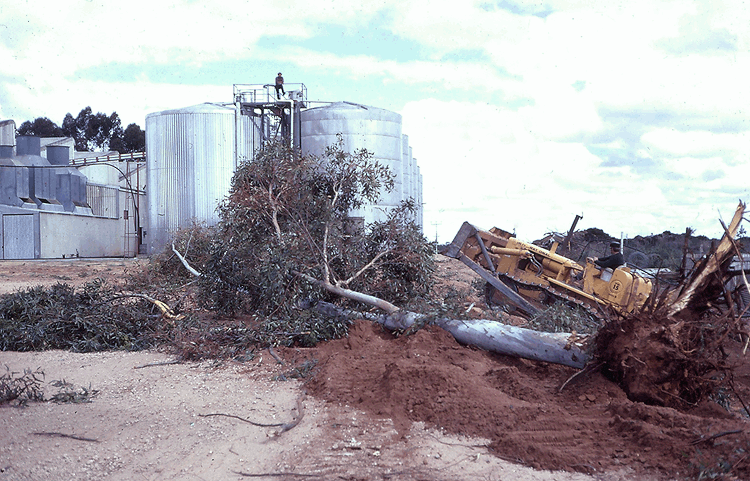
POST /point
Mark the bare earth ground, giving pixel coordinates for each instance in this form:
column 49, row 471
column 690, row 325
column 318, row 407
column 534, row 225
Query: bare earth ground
column 418, row 407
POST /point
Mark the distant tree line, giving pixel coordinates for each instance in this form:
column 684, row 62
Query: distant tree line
column 91, row 132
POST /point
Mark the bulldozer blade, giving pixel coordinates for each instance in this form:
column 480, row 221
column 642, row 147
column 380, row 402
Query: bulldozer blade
column 512, row 296
column 454, row 250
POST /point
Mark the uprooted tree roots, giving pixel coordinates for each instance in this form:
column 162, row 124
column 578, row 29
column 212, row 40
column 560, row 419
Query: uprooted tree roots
column 665, row 361
column 673, row 353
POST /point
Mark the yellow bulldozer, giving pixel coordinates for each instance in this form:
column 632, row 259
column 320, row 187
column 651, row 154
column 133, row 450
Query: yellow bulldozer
column 527, row 276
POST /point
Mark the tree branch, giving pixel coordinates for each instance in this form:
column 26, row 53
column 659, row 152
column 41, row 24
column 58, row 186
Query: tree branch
column 274, row 211
column 326, row 232
column 369, row 265
column 185, row 262
column 723, row 252
column 349, row 294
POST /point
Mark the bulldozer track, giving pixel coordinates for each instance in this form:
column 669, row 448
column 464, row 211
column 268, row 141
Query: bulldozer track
column 556, row 294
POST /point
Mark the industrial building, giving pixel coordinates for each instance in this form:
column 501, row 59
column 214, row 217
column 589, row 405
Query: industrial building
column 57, row 203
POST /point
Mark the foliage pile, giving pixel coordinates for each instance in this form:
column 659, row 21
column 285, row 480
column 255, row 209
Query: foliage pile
column 165, row 278
column 563, row 317
column 96, row 318
column 239, row 338
column 284, row 239
column 21, row 387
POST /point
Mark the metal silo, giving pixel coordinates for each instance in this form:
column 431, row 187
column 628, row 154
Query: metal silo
column 419, row 199
column 405, row 167
column 374, row 129
column 192, row 154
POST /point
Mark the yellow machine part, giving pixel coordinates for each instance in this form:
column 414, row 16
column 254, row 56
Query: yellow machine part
column 624, row 291
column 532, row 265
column 537, row 266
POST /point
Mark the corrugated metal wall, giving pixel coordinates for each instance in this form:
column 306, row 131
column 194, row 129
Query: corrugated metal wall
column 191, row 160
column 374, row 129
column 18, row 236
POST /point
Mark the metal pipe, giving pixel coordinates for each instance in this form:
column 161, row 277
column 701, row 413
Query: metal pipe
column 523, row 253
column 486, row 254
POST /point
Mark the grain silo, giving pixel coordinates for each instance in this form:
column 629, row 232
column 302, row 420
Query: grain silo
column 418, row 197
column 192, row 154
column 374, row 129
column 405, row 169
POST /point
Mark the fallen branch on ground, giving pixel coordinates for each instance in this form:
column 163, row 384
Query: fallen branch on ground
column 262, row 425
column 275, row 356
column 163, row 363
column 711, row 438
column 63, row 435
column 285, row 473
column 284, row 426
column 166, row 311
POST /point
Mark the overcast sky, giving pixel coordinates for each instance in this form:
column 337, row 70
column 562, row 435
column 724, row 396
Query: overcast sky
column 634, row 114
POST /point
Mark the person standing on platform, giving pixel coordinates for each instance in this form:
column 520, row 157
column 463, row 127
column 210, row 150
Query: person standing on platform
column 279, row 86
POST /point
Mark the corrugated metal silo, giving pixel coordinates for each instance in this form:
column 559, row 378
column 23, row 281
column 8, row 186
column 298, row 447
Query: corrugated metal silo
column 419, row 198
column 377, row 130
column 192, row 154
column 412, row 179
column 406, row 170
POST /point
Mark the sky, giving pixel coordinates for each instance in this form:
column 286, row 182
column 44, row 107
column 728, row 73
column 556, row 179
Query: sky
column 521, row 115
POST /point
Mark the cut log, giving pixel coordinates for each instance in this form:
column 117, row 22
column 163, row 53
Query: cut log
column 559, row 348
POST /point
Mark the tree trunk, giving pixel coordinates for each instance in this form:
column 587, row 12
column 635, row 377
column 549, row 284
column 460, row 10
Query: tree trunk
column 558, row 348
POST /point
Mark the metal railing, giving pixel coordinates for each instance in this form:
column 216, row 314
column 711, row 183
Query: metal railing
column 266, row 93
column 129, row 157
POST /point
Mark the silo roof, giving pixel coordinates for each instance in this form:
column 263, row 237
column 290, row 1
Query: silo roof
column 204, row 108
column 352, row 107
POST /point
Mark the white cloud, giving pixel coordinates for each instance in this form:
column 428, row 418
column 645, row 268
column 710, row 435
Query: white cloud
column 659, row 87
column 672, row 142
column 131, row 101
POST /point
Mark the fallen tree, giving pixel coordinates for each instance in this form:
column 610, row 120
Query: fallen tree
column 560, row 348
column 286, row 237
column 667, row 332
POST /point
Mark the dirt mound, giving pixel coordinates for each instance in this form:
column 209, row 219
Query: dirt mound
column 589, row 427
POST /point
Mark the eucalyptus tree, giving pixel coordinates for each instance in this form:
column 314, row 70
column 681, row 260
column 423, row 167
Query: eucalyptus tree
column 286, row 236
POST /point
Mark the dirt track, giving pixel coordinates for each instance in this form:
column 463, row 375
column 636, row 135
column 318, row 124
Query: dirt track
column 377, row 407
